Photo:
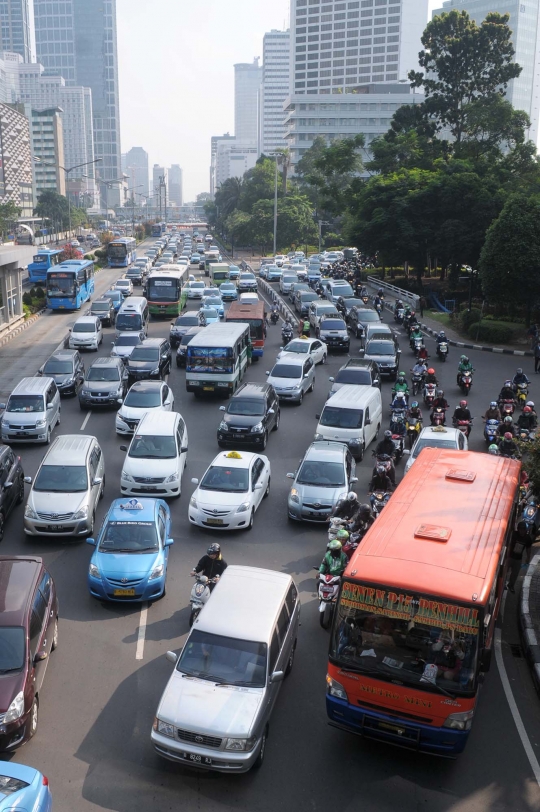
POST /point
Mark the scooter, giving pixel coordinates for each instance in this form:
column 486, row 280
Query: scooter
column 522, row 391
column 507, row 407
column 335, row 525
column 287, row 333
column 531, row 515
column 465, row 382
column 400, row 402
column 430, row 390
column 526, row 435
column 414, row 427
column 327, row 593
column 378, row 501
column 463, row 425
column 274, row 317
column 442, row 350
column 491, row 431
column 415, row 343
column 417, row 382
column 438, row 416
column 398, row 315
column 200, row 593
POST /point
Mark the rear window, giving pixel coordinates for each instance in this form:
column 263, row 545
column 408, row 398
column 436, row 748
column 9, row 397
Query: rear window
column 356, row 376
column 380, row 348
column 287, row 371
column 333, row 324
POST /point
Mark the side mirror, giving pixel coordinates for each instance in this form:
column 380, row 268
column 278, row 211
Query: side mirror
column 123, row 448
column 40, row 371
column 222, row 409
column 8, row 485
column 184, row 449
column 406, row 451
column 28, row 480
column 168, row 542
column 91, row 541
column 277, row 676
column 40, row 656
column 331, row 380
column 172, row 657
column 50, row 406
column 353, row 479
column 97, row 480
column 317, row 417
column 112, row 343
column 257, row 486
column 194, row 481
column 289, row 476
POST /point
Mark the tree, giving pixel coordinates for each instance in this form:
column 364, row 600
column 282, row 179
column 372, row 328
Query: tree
column 463, row 62
column 238, row 226
column 54, row 207
column 331, row 170
column 8, row 213
column 227, row 197
column 258, row 184
column 203, row 197
column 510, row 258
column 70, row 252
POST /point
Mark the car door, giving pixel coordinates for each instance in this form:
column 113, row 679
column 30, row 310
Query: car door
column 256, row 478
column 40, row 640
column 52, row 398
column 308, row 374
column 182, row 442
column 78, row 368
column 9, row 477
column 350, row 466
column 162, row 530
column 99, row 331
column 93, row 467
column 317, row 351
column 6, row 496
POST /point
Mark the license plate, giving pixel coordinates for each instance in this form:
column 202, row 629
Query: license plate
column 54, row 528
column 208, row 388
column 214, row 521
column 147, row 488
column 197, row 759
column 120, row 592
column 393, row 728
column 22, row 433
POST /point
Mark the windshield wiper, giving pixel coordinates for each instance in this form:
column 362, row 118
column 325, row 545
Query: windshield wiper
column 242, row 683
column 421, row 678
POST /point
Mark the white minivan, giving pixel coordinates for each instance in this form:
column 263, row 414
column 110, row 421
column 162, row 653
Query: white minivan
column 352, row 416
column 287, row 281
column 156, row 458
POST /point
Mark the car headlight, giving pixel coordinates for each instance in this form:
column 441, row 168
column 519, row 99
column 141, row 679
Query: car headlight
column 459, row 721
column 318, row 436
column 335, row 688
column 243, row 507
column 127, row 477
column 155, row 371
column 40, row 423
column 164, row 728
column 68, row 382
column 258, row 427
column 294, row 496
column 172, row 478
column 223, row 426
column 193, row 501
column 16, row 709
column 81, row 514
column 157, row 572
column 241, row 744
column 29, row 513
column 93, row 571
column 85, row 392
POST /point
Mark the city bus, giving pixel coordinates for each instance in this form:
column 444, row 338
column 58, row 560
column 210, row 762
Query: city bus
column 413, row 631
column 217, row 359
column 45, row 259
column 158, row 229
column 252, row 314
column 122, row 252
column 70, row 284
column 164, row 290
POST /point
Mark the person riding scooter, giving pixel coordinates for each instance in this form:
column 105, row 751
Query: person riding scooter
column 414, row 414
column 461, row 413
column 507, row 392
column 386, row 447
column 520, row 378
column 431, row 377
column 380, row 480
column 345, row 508
column 493, row 413
column 212, row 564
column 335, row 560
column 362, row 521
column 506, row 425
column 507, row 446
column 527, row 419
column 464, row 366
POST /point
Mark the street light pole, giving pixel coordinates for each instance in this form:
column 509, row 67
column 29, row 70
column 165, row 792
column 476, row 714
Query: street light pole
column 275, row 155
column 67, row 171
column 321, row 224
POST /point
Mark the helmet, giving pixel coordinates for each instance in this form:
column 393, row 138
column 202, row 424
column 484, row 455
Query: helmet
column 530, row 403
column 388, row 433
column 341, row 536
column 380, row 469
column 442, row 334
column 440, row 393
column 463, row 404
column 508, row 419
column 493, row 449
column 414, row 404
column 527, row 410
column 508, row 435
column 335, row 544
column 493, row 404
column 401, row 375
column 413, row 313
column 519, row 371
column 463, row 358
column 431, row 371
column 351, row 496
column 214, row 549
column 508, row 383
column 364, row 509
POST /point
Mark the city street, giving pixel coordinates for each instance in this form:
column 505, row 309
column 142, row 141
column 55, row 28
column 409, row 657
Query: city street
column 105, row 680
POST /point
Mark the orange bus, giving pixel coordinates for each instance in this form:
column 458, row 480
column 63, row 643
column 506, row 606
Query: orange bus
column 413, row 630
column 252, row 314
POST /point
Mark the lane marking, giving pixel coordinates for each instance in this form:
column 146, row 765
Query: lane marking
column 142, row 631
column 525, row 741
column 85, row 421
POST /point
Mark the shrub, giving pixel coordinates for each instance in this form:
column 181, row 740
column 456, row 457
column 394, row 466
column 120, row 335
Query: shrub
column 100, row 253
column 27, row 298
column 469, row 317
column 494, row 333
column 33, row 293
column 40, row 293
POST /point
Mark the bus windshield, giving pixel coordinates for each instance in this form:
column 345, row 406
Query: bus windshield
column 117, row 250
column 163, row 290
column 61, row 284
column 209, row 359
column 417, row 639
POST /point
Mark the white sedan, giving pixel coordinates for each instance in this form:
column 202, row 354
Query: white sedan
column 195, row 290
column 125, row 286
column 141, row 398
column 314, row 347
column 230, row 491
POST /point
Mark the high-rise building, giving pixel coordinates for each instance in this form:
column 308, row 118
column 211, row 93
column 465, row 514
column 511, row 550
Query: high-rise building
column 78, row 42
column 160, row 190
column 274, row 90
column 135, row 164
column 524, row 92
column 175, row 184
column 48, row 148
column 15, row 159
column 17, row 28
column 247, row 81
column 214, row 141
column 233, row 159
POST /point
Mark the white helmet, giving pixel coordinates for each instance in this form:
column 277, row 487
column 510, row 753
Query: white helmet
column 351, row 496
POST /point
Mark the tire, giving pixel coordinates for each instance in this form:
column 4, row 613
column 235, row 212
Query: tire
column 54, row 645
column 290, row 661
column 91, row 529
column 193, row 615
column 58, row 420
column 324, row 359
column 20, row 497
column 278, row 418
column 257, row 764
column 251, row 521
column 301, row 398
column 34, row 718
column 312, row 387
column 361, row 454
column 265, row 441
column 102, row 491
column 325, row 618
column 267, row 491
column 81, row 407
column 48, row 440
column 2, row 526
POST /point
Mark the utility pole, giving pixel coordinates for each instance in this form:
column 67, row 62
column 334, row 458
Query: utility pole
column 163, row 185
column 321, row 224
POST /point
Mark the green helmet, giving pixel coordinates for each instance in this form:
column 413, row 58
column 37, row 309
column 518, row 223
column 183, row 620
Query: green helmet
column 336, row 545
column 342, row 535
column 401, row 375
column 493, row 449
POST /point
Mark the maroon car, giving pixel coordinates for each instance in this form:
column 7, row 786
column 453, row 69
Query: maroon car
column 28, row 634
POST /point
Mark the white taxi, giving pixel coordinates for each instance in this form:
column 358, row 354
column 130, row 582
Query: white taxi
column 301, row 347
column 230, row 491
column 437, row 437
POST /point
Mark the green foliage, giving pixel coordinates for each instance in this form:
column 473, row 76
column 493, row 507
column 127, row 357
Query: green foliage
column 27, row 298
column 531, row 463
column 258, row 184
column 330, row 172
column 8, row 213
column 491, row 332
column 40, row 293
column 469, row 317
column 100, row 253
column 53, row 206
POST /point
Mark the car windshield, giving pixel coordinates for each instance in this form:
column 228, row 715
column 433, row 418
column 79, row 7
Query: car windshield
column 56, row 367
column 145, row 354
column 356, row 376
column 348, row 303
column 186, row 339
column 123, row 283
column 228, row 286
column 338, row 418
column 129, row 537
column 302, row 347
column 343, row 290
column 113, row 295
column 368, row 315
column 186, row 321
column 84, row 327
column 213, row 301
column 25, row 403
column 153, row 447
column 380, row 348
column 196, row 284
column 323, row 474
column 138, row 399
column 12, row 651
column 209, row 312
column 250, row 408
column 61, row 479
column 332, row 324
column 98, row 306
column 128, row 341
column 419, row 640
column 424, row 442
column 286, row 371
column 99, row 373
column 223, row 478
column 224, row 660
column 306, row 296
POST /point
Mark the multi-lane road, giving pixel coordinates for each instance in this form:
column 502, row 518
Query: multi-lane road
column 103, row 683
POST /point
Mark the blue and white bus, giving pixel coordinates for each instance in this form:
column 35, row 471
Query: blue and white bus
column 45, row 259
column 122, row 252
column 70, row 284
column 158, row 229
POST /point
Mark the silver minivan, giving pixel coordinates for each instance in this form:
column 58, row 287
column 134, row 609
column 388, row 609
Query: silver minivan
column 215, row 710
column 292, row 378
column 66, row 489
column 32, row 411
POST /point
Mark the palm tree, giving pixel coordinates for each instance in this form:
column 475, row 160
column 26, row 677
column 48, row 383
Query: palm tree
column 227, row 196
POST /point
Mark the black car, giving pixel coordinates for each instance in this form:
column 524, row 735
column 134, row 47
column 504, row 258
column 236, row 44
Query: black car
column 202, row 264
column 344, row 305
column 359, row 317
column 66, row 367
column 356, row 372
column 150, row 359
column 104, row 310
column 249, row 416
column 11, row 484
column 181, row 325
column 181, row 352
column 105, row 383
column 334, row 333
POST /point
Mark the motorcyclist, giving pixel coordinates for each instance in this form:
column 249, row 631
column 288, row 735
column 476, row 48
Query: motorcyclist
column 422, row 354
column 401, row 384
column 440, row 401
column 493, row 412
column 527, row 419
column 493, row 449
column 212, row 564
column 506, row 425
column 507, row 446
column 398, row 305
column 441, row 338
column 415, row 333
column 461, row 412
column 419, row 368
column 412, row 320
column 305, row 327
column 520, row 378
column 386, row 445
column 464, row 366
column 507, row 392
column 346, row 507
column 414, row 413
column 531, row 404
column 380, row 480
column 335, row 560
column 431, row 377
column 378, row 302
column 362, row 521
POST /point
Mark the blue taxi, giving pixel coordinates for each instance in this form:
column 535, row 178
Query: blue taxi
column 131, row 553
column 23, row 788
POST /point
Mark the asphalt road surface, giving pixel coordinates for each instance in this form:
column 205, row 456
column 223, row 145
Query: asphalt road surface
column 99, row 699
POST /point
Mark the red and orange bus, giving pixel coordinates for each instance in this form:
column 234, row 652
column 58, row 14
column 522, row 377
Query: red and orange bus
column 252, row 314
column 413, row 630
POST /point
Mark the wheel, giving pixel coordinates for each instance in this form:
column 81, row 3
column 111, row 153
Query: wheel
column 58, row 419
column 311, row 388
column 55, row 636
column 2, row 526
column 81, row 407
column 91, row 528
column 48, row 440
column 361, row 453
column 323, row 359
column 276, row 425
column 193, row 617
column 20, row 495
column 265, row 441
column 102, row 491
column 251, row 520
column 34, row 717
column 290, row 661
column 260, row 758
column 325, row 618
column 301, row 398
column 267, row 491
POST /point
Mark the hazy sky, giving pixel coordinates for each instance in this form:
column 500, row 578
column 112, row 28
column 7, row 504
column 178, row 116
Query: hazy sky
column 176, row 79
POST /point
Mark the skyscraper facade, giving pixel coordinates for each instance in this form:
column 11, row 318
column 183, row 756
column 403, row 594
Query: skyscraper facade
column 79, row 43
column 17, row 28
column 48, row 146
column 523, row 93
column 274, row 90
column 135, row 165
column 15, row 159
column 214, row 142
column 247, row 81
column 175, row 184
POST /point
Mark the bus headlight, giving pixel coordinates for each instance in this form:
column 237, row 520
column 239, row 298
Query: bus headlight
column 336, row 689
column 459, row 721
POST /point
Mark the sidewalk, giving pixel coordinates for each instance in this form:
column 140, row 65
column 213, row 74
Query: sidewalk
column 529, row 617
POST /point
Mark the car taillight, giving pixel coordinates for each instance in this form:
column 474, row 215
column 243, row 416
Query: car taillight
column 45, row 781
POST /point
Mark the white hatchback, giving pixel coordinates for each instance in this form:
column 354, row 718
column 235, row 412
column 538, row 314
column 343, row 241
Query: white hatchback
column 142, row 397
column 155, row 461
column 86, row 334
column 437, row 437
column 304, row 347
column 230, row 491
column 125, row 286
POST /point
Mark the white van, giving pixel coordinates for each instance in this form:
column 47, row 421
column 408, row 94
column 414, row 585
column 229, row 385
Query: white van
column 156, row 458
column 32, row 411
column 352, row 416
column 215, row 710
column 133, row 315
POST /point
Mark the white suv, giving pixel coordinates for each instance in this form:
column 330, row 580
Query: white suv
column 86, row 334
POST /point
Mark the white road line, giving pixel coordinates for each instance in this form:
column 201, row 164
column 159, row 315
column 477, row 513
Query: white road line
column 142, row 631
column 85, row 421
column 525, row 741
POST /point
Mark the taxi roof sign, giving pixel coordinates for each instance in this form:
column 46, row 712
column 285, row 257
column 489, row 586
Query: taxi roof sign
column 133, row 504
column 233, row 455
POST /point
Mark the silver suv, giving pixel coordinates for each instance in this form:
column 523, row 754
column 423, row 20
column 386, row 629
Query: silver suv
column 105, row 384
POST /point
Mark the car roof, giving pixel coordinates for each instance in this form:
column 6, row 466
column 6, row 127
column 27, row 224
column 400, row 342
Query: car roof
column 86, row 320
column 18, row 575
column 106, row 361
column 325, row 450
column 144, row 509
column 241, row 459
column 291, row 359
column 32, row 386
column 252, row 390
column 350, row 396
column 147, row 386
column 152, row 342
column 443, row 432
column 156, row 422
column 68, row 448
column 357, row 362
column 63, row 354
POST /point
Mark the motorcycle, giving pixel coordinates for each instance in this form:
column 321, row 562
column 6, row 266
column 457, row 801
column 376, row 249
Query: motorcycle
column 442, row 350
column 378, row 308
column 287, row 333
column 491, row 431
column 463, row 425
column 415, row 343
column 398, row 315
column 414, row 427
column 336, row 524
column 327, row 593
column 200, row 593
column 525, row 435
column 465, row 382
column 430, row 390
column 378, row 500
column 438, row 416
column 522, row 391
column 507, row 407
column 274, row 317
column 400, row 402
column 365, row 299
column 385, row 461
column 417, row 382
column 531, row 515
